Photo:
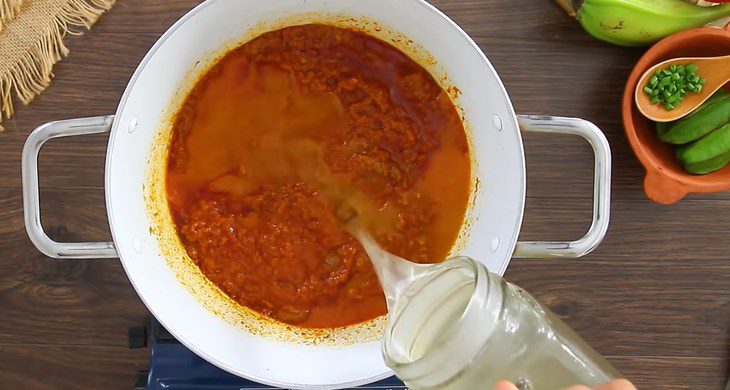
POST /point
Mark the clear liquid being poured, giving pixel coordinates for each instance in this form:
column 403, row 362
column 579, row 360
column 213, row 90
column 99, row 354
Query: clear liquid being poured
column 454, row 325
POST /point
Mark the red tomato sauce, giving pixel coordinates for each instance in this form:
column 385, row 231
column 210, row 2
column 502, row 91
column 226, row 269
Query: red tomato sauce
column 277, row 133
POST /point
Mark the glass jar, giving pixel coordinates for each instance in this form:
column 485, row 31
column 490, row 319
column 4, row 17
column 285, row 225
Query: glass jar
column 462, row 327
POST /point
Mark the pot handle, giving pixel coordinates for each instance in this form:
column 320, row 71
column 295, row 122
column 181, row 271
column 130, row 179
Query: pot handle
column 601, row 187
column 31, row 198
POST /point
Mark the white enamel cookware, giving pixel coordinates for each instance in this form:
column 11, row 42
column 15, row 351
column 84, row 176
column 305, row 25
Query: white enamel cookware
column 491, row 229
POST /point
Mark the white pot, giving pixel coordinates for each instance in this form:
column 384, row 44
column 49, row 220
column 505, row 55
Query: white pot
column 490, row 231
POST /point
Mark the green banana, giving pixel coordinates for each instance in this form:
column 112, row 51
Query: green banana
column 702, row 122
column 710, row 146
column 719, row 95
column 662, row 128
column 640, row 22
column 707, row 166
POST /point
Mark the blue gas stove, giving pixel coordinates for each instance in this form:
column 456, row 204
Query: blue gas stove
column 174, row 367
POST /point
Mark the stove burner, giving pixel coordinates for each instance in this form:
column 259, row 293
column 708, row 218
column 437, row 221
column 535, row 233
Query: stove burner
column 174, row 367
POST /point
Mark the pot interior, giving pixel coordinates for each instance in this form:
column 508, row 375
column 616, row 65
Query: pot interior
column 186, row 303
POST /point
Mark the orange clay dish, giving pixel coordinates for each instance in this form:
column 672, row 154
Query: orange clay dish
column 666, row 182
column 283, row 129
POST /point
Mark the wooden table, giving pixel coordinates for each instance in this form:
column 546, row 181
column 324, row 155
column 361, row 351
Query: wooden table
column 654, row 297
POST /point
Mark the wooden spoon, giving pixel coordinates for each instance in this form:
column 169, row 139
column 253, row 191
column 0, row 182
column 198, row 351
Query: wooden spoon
column 715, row 69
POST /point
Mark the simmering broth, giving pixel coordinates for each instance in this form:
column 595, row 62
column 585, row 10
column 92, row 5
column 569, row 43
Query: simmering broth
column 282, row 130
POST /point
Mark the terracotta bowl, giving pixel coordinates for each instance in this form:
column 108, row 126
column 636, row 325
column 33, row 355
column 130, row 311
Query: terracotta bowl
column 666, row 182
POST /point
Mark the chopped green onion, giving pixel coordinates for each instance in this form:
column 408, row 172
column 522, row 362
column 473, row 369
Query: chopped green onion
column 669, row 86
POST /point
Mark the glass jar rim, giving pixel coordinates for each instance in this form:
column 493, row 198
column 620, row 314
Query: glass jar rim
column 473, row 325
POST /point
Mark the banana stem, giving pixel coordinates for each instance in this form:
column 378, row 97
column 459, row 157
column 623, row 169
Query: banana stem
column 567, row 5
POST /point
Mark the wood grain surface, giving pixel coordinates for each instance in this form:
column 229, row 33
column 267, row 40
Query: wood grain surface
column 654, row 297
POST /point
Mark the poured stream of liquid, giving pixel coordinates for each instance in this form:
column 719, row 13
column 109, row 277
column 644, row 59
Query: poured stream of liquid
column 454, row 325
